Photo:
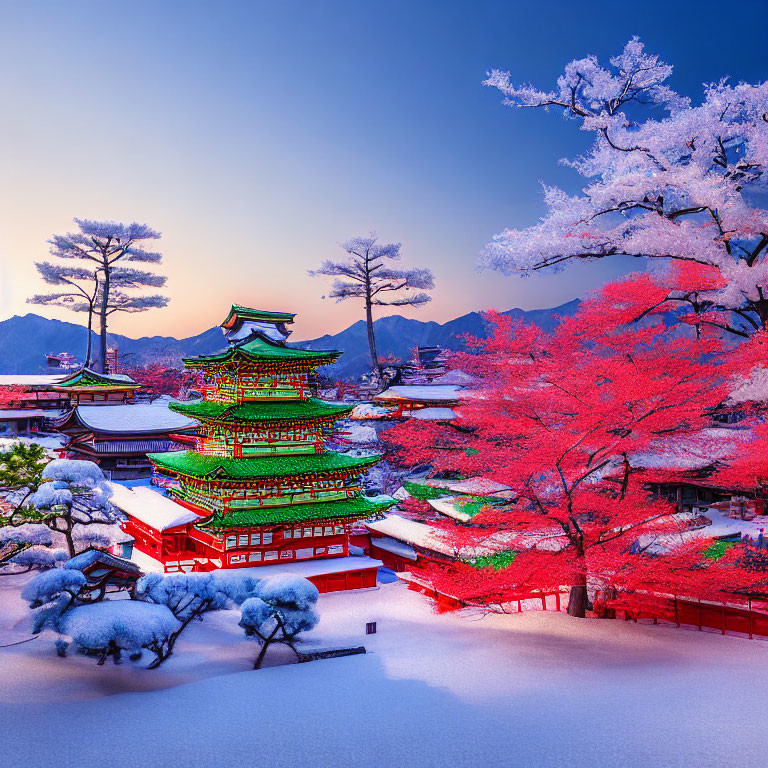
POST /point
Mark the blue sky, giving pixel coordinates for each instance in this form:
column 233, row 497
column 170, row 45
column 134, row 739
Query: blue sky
column 257, row 135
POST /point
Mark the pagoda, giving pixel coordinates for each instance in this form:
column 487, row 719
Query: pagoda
column 259, row 485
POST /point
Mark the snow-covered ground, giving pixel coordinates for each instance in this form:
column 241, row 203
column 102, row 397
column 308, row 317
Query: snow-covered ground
column 539, row 690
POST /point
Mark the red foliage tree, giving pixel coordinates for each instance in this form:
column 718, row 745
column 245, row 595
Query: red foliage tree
column 568, row 421
column 159, row 380
column 12, row 397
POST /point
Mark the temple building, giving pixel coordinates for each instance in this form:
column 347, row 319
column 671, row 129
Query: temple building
column 28, row 401
column 260, row 483
column 119, row 437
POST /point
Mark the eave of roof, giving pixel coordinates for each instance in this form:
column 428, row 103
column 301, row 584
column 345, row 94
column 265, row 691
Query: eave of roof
column 310, row 409
column 261, row 350
column 358, row 508
column 240, row 313
column 191, row 464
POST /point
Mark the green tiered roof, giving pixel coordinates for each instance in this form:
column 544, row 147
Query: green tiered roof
column 310, row 409
column 261, row 350
column 89, row 378
column 298, row 513
column 257, row 315
column 197, row 465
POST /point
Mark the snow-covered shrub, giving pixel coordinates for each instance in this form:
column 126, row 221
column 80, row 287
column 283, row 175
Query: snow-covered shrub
column 284, row 608
column 50, row 495
column 114, row 627
column 52, row 592
column 191, row 595
column 290, row 591
column 49, row 585
column 237, row 586
column 27, row 533
column 74, row 495
column 39, row 557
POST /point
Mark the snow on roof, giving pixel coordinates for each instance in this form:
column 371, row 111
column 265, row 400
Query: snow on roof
column 723, row 525
column 411, row 532
column 20, row 413
column 752, row 388
column 424, row 394
column 150, row 507
column 33, row 380
column 91, row 556
column 434, row 414
column 446, row 505
column 692, row 452
column 476, row 486
column 139, row 417
column 461, row 378
column 358, row 433
column 370, row 411
column 395, row 547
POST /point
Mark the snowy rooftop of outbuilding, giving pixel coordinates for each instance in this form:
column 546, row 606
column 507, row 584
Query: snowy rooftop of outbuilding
column 428, row 393
column 30, row 380
column 20, row 413
column 411, row 532
column 150, row 507
column 694, row 451
column 370, row 411
column 305, row 568
column 476, row 486
column 138, row 417
column 751, row 389
column 461, row 378
column 395, row 547
column 434, row 414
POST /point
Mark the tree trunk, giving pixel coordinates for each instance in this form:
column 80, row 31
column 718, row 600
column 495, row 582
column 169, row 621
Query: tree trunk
column 372, row 339
column 89, row 345
column 69, row 536
column 577, row 599
column 101, row 364
column 262, row 654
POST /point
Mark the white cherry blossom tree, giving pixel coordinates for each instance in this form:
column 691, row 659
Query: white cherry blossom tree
column 666, row 180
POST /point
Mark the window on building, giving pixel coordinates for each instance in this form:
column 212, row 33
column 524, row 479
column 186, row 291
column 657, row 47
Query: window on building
column 237, row 558
column 254, row 557
column 304, row 553
column 338, row 529
column 231, row 541
column 307, row 531
column 318, row 530
column 255, row 539
column 328, row 530
column 242, row 540
column 266, row 538
column 287, row 533
column 297, row 533
column 270, row 556
column 286, row 554
column 319, row 550
column 336, row 549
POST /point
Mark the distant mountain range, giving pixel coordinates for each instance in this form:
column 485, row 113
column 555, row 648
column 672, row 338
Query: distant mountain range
column 26, row 340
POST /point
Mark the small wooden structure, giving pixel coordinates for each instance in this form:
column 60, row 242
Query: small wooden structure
column 103, row 570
